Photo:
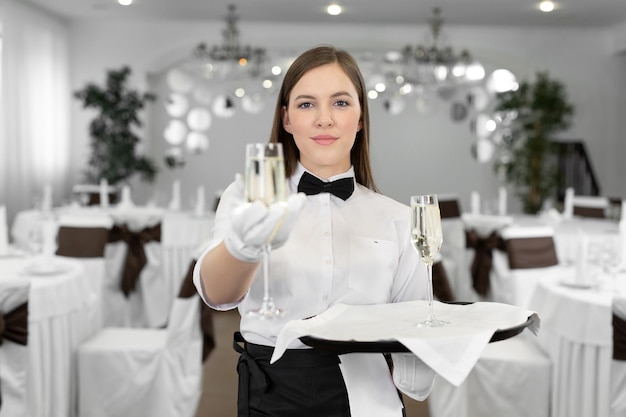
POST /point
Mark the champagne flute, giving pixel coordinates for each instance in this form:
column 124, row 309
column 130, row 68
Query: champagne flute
column 427, row 237
column 265, row 181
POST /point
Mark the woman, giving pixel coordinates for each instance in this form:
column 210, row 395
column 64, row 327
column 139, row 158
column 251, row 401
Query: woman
column 350, row 248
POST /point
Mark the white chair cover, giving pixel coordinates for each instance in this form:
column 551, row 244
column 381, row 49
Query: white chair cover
column 511, row 378
column 590, row 206
column 618, row 367
column 144, row 372
column 515, row 283
column 14, row 363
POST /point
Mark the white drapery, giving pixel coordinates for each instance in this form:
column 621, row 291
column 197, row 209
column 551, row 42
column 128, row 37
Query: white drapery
column 34, row 109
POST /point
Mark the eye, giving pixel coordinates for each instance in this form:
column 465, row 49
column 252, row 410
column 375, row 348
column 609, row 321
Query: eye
column 305, row 105
column 342, row 103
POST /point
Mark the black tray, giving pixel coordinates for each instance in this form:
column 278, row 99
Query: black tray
column 392, row 346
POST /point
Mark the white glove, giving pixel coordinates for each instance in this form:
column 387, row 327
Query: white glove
column 412, row 376
column 253, row 225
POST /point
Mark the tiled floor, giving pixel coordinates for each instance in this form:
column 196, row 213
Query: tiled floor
column 219, row 397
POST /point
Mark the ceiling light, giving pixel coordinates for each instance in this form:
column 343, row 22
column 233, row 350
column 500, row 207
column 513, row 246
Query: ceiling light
column 125, row 2
column 334, row 9
column 546, row 6
column 436, row 64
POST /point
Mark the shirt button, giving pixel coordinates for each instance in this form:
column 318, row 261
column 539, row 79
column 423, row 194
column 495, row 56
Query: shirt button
column 329, row 261
column 326, row 234
column 325, row 297
column 325, row 203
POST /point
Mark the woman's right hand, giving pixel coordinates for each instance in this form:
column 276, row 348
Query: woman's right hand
column 253, row 225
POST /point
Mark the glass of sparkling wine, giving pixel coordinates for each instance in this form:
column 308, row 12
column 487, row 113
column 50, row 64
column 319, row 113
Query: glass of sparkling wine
column 427, row 237
column 265, row 182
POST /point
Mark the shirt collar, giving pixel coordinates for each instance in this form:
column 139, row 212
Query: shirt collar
column 300, row 169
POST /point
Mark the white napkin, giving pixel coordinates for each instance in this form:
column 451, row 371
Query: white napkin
column 581, row 258
column 48, row 237
column 175, row 201
column 126, row 200
column 104, row 193
column 46, row 199
column 502, row 196
column 622, row 239
column 451, row 351
column 568, row 203
column 200, row 201
column 475, row 202
column 4, row 232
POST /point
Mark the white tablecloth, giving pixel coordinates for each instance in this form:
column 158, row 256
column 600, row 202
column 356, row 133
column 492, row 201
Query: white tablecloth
column 63, row 311
column 577, row 335
column 181, row 234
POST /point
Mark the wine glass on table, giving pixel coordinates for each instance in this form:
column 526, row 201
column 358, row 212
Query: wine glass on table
column 265, row 182
column 427, row 237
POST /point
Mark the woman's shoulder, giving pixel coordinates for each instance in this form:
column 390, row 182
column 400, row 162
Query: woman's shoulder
column 382, row 200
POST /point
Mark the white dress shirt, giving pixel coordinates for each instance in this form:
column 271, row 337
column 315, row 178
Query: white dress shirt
column 356, row 251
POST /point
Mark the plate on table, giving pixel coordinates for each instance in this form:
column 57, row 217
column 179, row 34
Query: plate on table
column 572, row 283
column 45, row 268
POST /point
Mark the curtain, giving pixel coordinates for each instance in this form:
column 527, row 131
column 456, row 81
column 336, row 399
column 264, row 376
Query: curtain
column 34, row 106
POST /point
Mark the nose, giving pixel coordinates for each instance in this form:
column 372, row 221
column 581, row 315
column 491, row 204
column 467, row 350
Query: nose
column 324, row 118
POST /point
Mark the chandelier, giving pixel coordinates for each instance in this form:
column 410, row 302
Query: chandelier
column 433, row 65
column 231, row 58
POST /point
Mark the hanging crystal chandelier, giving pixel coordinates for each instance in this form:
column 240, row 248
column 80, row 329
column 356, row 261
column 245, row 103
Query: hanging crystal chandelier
column 433, row 65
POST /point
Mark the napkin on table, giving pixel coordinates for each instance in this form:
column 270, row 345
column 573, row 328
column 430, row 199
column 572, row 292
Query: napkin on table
column 46, row 200
column 451, row 351
column 126, row 200
column 104, row 193
column 175, row 201
column 475, row 202
column 200, row 201
column 568, row 203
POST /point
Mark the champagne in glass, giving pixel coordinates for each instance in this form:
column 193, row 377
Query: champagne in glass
column 265, row 182
column 427, row 237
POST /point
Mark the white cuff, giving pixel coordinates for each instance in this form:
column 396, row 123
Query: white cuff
column 412, row 376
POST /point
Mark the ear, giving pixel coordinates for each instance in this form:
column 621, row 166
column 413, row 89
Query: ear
column 285, row 117
column 359, row 126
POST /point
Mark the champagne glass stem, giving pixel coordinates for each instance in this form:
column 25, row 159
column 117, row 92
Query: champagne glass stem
column 266, row 276
column 431, row 308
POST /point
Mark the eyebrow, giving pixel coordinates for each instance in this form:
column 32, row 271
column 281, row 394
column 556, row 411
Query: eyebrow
column 309, row 97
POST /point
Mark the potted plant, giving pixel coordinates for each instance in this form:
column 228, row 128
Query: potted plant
column 528, row 163
column 113, row 140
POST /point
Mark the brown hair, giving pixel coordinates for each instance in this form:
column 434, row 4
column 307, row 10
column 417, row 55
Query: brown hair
column 313, row 58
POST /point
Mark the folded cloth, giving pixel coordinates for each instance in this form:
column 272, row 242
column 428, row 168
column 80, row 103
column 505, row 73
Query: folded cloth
column 451, row 350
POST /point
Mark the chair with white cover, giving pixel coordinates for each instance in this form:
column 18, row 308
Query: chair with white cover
column 83, row 236
column 453, row 248
column 142, row 371
column 618, row 367
column 14, row 354
column 586, row 206
column 511, row 378
column 528, row 255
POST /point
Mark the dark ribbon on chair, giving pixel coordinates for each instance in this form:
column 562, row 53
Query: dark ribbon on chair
column 187, row 289
column 619, row 338
column 531, row 252
column 597, row 212
column 136, row 255
column 14, row 325
column 449, row 209
column 441, row 284
column 82, row 242
column 94, row 198
column 481, row 265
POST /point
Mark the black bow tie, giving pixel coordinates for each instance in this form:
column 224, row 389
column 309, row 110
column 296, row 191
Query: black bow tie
column 310, row 185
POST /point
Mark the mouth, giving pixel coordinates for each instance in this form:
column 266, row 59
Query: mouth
column 324, row 139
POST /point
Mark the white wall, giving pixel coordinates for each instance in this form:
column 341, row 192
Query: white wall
column 412, row 152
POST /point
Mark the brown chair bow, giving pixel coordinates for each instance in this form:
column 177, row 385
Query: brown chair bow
column 449, row 209
column 441, row 284
column 619, row 338
column 531, row 252
column 187, row 289
column 597, row 212
column 82, row 242
column 14, row 325
column 481, row 265
column 136, row 255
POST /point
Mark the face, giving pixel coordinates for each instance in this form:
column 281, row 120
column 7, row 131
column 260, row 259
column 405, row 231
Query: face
column 324, row 116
